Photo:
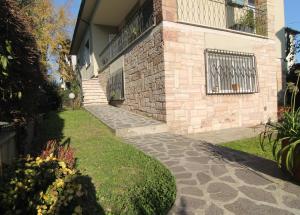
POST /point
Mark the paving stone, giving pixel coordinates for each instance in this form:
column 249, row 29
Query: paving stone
column 291, row 202
column 176, row 169
column 271, row 187
column 187, row 182
column 218, row 170
column 195, row 167
column 250, row 177
column 228, row 179
column 245, row 206
column 258, row 194
column 221, row 192
column 203, row 178
column 183, row 175
column 200, row 160
column 190, row 202
column 193, row 191
column 174, row 152
column 292, row 188
column 181, row 211
column 171, row 163
column 192, row 153
column 214, row 210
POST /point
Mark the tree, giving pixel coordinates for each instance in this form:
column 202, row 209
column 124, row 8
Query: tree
column 49, row 26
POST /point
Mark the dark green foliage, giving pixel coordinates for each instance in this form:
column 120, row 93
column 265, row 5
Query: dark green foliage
column 21, row 78
column 284, row 136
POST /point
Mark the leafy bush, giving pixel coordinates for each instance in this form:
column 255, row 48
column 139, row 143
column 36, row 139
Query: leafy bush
column 62, row 152
column 45, row 186
column 284, row 136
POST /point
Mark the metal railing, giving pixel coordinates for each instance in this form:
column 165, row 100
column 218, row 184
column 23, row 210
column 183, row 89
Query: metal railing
column 230, row 72
column 136, row 25
column 222, row 14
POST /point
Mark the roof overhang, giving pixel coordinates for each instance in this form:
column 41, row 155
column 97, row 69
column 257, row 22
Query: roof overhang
column 100, row 12
column 84, row 16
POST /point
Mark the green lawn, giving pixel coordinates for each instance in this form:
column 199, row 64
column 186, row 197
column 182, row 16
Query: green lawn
column 126, row 180
column 251, row 146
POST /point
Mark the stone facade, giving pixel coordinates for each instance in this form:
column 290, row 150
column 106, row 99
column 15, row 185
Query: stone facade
column 165, row 77
column 189, row 109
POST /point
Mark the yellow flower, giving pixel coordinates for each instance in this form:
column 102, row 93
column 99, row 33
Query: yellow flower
column 62, row 164
column 60, row 183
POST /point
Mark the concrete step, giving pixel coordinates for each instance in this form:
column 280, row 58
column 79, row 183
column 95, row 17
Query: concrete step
column 124, row 123
column 94, row 97
column 94, row 103
column 94, row 94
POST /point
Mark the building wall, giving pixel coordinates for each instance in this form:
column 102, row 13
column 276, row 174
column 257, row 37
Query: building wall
column 144, row 79
column 188, row 108
column 86, row 71
column 100, row 35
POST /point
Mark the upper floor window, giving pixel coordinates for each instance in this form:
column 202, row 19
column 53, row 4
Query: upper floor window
column 230, row 72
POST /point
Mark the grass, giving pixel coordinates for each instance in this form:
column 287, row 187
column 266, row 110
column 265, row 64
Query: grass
column 251, row 146
column 126, row 180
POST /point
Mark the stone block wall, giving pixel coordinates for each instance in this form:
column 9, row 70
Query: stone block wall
column 144, row 76
column 189, row 109
column 144, row 79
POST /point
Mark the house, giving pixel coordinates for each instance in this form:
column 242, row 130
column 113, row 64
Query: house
column 198, row 65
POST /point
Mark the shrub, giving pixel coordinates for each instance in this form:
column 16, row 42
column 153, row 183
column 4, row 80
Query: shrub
column 62, row 152
column 284, row 136
column 45, row 186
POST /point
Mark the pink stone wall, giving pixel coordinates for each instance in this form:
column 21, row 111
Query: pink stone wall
column 188, row 108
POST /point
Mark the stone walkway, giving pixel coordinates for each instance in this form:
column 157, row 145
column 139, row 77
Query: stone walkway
column 215, row 180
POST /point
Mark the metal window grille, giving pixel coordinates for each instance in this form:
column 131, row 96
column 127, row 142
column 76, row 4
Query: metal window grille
column 224, row 14
column 230, row 72
column 137, row 24
column 116, row 85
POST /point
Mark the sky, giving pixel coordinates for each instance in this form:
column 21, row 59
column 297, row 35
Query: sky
column 292, row 14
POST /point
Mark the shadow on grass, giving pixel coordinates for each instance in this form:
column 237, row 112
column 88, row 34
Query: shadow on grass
column 87, row 201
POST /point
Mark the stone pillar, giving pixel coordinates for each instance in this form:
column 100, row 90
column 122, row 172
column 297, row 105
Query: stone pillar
column 165, row 10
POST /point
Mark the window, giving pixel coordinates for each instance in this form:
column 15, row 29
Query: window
column 251, row 3
column 230, row 72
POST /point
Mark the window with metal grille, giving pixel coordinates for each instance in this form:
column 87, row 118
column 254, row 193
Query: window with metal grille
column 230, row 72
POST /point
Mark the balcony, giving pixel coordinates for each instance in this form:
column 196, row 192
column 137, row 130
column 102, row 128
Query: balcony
column 224, row 14
column 137, row 24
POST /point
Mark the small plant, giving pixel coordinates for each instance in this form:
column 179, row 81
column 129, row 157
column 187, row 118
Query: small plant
column 62, row 152
column 284, row 136
column 248, row 20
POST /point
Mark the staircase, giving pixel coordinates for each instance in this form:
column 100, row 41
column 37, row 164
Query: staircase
column 93, row 94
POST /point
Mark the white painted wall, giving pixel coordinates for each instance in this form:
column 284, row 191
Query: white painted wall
column 100, row 38
column 86, row 70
